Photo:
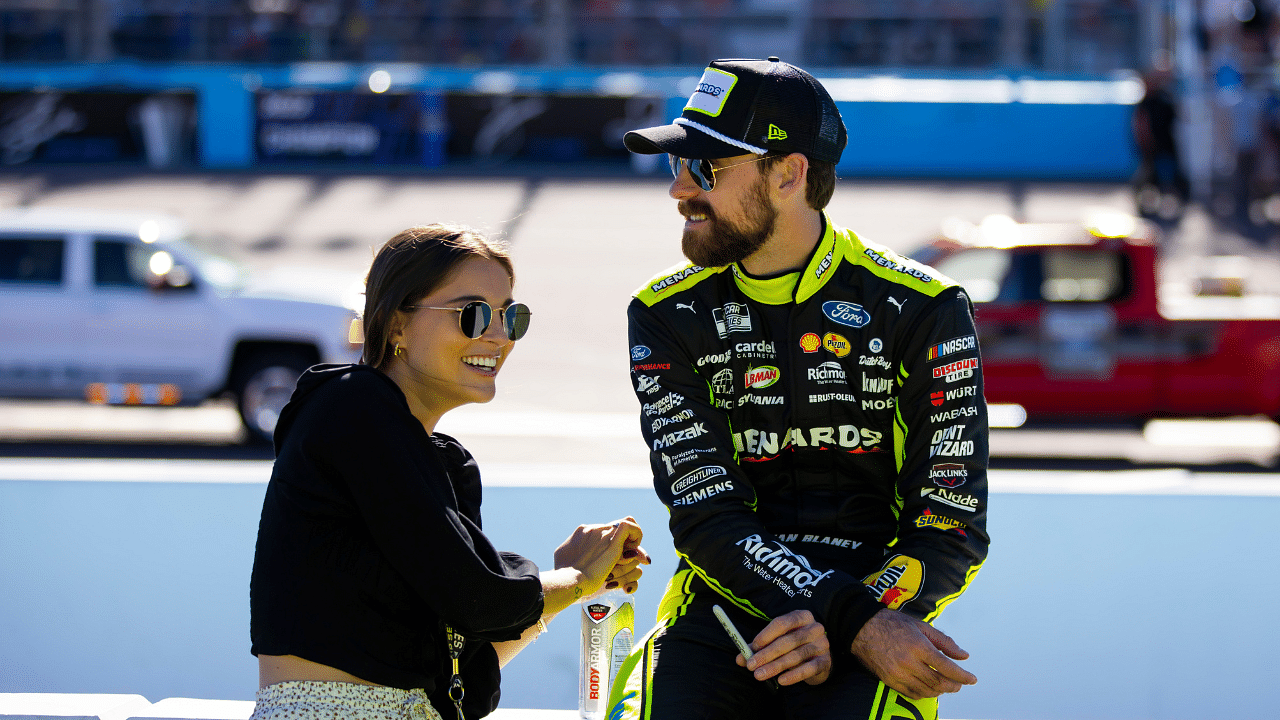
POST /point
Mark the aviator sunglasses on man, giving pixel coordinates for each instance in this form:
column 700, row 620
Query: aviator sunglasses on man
column 475, row 316
column 702, row 170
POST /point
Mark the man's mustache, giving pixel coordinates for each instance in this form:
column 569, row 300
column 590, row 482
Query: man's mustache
column 695, row 207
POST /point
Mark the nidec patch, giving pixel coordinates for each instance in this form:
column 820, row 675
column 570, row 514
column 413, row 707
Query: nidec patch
column 898, row 583
column 713, row 91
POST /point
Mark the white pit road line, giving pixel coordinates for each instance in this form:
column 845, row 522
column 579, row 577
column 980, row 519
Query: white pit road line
column 569, row 475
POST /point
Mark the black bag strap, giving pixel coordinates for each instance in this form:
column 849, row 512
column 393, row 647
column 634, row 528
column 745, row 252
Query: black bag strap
column 455, row 641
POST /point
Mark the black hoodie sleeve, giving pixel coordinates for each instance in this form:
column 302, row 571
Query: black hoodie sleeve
column 358, row 431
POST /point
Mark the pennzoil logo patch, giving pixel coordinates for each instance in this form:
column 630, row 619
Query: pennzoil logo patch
column 898, row 583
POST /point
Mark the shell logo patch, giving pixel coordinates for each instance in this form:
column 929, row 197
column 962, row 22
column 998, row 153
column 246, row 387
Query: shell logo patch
column 898, row 582
column 810, row 342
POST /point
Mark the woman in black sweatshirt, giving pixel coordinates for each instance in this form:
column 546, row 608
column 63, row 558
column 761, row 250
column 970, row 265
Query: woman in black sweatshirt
column 370, row 555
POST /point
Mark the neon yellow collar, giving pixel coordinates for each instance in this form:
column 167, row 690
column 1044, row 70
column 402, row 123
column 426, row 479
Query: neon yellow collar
column 796, row 286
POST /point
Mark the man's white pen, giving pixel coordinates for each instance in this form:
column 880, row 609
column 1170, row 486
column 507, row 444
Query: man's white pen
column 736, row 636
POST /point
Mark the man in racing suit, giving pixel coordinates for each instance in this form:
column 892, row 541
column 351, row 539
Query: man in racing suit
column 813, row 403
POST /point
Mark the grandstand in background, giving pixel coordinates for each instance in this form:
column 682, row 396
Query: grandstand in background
column 1084, row 36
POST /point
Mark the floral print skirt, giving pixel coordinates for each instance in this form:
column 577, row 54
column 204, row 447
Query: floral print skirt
column 314, row 700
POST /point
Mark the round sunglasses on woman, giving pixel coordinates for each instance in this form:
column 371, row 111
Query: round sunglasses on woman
column 475, row 316
column 371, row 568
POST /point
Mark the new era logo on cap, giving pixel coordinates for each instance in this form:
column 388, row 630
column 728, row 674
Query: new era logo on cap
column 750, row 106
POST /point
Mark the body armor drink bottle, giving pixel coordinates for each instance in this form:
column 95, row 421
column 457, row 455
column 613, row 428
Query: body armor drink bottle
column 608, row 623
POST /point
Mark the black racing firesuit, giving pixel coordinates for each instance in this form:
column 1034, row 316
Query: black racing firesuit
column 820, row 439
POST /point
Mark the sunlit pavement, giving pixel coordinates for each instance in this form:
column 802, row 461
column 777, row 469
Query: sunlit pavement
column 581, row 245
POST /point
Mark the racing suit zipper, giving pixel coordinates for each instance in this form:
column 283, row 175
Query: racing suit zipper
column 794, row 398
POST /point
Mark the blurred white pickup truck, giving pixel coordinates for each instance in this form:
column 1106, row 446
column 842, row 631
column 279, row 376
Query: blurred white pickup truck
column 118, row 308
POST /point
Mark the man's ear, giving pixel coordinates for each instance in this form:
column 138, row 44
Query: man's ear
column 790, row 175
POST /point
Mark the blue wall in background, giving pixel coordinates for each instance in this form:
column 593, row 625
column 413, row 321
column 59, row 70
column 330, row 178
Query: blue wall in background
column 956, row 137
column 988, row 140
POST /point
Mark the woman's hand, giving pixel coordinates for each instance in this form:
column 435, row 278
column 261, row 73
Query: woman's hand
column 592, row 559
column 606, row 556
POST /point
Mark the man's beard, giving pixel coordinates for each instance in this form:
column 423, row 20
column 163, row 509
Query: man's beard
column 725, row 242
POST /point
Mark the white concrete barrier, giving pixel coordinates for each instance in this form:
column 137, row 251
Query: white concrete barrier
column 1106, row 596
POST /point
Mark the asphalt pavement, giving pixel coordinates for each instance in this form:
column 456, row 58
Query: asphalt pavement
column 581, row 244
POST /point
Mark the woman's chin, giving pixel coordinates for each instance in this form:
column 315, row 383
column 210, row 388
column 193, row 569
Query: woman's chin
column 482, row 395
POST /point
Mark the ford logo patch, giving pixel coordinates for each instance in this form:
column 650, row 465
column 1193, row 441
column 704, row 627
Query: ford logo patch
column 846, row 313
column 639, row 352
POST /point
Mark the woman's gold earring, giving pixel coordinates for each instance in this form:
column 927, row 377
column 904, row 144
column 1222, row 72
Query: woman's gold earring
column 398, row 352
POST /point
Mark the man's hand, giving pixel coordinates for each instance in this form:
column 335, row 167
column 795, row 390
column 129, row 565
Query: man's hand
column 793, row 647
column 910, row 656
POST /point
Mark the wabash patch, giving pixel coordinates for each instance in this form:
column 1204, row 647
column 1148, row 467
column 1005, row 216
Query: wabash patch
column 898, row 583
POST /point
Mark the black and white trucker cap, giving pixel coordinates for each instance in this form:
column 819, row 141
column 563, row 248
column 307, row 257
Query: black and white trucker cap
column 750, row 106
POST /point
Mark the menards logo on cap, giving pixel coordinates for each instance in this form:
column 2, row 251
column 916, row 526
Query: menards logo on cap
column 712, row 92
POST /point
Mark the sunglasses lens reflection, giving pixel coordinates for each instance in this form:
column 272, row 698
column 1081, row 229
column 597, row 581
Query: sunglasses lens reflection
column 700, row 170
column 517, row 320
column 475, row 318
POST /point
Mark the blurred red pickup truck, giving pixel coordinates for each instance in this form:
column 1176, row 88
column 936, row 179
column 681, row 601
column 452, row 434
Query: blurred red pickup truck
column 1076, row 323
